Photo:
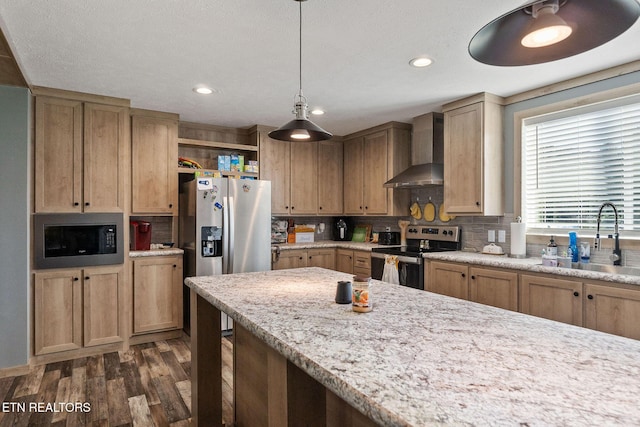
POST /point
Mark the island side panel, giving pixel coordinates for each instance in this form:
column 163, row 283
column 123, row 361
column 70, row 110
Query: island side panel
column 206, row 363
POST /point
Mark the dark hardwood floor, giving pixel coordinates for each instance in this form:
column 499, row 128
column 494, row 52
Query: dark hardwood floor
column 148, row 385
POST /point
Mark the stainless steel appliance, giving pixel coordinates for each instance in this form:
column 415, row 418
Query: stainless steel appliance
column 420, row 239
column 225, row 227
column 77, row 240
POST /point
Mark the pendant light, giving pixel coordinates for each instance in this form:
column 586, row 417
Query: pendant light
column 547, row 30
column 300, row 128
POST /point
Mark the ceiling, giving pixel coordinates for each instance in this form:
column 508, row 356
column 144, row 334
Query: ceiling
column 355, row 56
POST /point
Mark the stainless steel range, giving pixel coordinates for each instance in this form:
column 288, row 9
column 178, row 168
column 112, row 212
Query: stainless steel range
column 420, row 239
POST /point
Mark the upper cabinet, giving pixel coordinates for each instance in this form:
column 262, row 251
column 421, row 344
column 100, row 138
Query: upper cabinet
column 371, row 158
column 81, row 152
column 473, row 156
column 154, row 159
column 306, row 177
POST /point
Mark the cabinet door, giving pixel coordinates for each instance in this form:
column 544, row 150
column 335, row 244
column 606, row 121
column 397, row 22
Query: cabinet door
column 106, row 130
column 330, row 182
column 551, row 298
column 362, row 263
column 157, row 294
column 494, row 287
column 304, row 178
column 102, row 294
column 344, row 260
column 154, row 156
column 463, row 156
column 448, row 279
column 613, row 310
column 291, row 259
column 57, row 311
column 375, row 174
column 353, row 176
column 58, row 155
column 324, row 258
column 275, row 166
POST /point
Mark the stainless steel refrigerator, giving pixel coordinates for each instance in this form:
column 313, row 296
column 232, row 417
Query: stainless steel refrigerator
column 224, row 228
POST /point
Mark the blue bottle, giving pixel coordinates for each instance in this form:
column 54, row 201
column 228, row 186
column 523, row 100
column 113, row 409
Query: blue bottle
column 573, row 246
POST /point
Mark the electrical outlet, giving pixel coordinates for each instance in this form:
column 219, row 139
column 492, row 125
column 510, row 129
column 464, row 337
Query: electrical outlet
column 502, row 236
column 491, row 236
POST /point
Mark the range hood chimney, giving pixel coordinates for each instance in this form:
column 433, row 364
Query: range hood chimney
column 427, row 154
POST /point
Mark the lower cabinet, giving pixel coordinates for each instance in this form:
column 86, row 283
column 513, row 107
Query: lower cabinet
column 488, row 286
column 75, row 308
column 612, row 310
column 157, row 294
column 551, row 298
column 353, row 262
column 297, row 258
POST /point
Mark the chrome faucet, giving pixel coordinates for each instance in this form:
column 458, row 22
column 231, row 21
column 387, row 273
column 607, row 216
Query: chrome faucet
column 616, row 256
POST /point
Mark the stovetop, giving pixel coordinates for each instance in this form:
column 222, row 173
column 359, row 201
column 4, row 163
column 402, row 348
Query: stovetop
column 423, row 239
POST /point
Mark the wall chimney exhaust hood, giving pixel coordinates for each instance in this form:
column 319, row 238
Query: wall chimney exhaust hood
column 427, row 154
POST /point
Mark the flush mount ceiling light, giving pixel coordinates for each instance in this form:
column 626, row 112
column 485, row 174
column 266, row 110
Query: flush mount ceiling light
column 203, row 90
column 544, row 31
column 300, row 128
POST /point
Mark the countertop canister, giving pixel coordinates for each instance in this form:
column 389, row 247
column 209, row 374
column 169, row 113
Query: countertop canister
column 361, row 301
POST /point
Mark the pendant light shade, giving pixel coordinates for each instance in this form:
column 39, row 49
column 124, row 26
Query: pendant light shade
column 544, row 31
column 300, row 128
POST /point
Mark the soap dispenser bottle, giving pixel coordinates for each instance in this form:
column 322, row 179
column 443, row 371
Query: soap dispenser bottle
column 552, row 248
column 573, row 246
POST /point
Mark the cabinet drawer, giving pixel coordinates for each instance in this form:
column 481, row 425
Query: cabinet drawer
column 361, row 260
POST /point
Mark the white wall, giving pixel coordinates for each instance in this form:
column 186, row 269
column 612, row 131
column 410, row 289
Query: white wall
column 14, row 225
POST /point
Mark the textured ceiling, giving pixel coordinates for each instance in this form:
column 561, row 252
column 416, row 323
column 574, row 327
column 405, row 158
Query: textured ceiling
column 355, row 56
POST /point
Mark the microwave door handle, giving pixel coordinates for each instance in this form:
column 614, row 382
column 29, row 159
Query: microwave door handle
column 225, row 235
column 231, row 212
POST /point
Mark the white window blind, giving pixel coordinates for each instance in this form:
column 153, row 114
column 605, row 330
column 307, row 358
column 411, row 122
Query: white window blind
column 577, row 159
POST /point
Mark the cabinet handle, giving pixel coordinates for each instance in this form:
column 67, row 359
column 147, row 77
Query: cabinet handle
column 360, row 207
column 576, row 294
column 464, row 275
column 170, row 205
column 590, row 296
column 477, row 203
column 86, row 277
column 75, row 279
column 292, row 207
column 366, row 207
column 320, row 207
column 473, row 277
column 86, row 203
column 310, row 257
column 174, row 266
column 76, row 204
column 286, row 207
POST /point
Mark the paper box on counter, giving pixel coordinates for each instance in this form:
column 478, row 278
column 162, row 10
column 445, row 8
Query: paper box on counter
column 304, row 237
column 224, row 163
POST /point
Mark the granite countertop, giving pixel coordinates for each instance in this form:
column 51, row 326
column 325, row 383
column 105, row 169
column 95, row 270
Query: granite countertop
column 156, row 252
column 529, row 264
column 423, row 359
column 359, row 246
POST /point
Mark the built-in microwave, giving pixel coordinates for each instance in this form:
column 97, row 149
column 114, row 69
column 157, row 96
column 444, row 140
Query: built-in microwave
column 77, row 240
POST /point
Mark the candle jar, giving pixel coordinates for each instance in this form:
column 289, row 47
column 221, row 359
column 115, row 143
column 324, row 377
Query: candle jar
column 361, row 300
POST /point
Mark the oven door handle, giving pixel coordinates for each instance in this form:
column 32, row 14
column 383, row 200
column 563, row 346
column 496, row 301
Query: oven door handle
column 405, row 259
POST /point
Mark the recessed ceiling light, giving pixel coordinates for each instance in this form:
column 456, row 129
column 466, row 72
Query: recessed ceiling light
column 317, row 111
column 203, row 90
column 420, row 62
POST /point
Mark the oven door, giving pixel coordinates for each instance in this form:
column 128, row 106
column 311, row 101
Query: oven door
column 410, row 269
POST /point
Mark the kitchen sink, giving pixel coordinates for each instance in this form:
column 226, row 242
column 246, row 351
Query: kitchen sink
column 607, row 268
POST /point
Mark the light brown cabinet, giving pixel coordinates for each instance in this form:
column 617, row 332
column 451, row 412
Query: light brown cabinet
column 154, row 159
column 473, row 156
column 304, row 178
column 353, row 262
column 551, row 298
column 371, row 158
column 612, row 310
column 330, row 178
column 488, row 286
column 75, row 308
column 81, row 149
column 275, row 166
column 157, row 294
column 297, row 258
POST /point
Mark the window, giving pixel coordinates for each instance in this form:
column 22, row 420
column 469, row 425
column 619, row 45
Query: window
column 576, row 159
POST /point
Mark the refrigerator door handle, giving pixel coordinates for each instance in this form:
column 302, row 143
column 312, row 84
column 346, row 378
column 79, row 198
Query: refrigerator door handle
column 232, row 232
column 225, row 235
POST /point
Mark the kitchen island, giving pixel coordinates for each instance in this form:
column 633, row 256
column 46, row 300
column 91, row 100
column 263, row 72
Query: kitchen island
column 417, row 359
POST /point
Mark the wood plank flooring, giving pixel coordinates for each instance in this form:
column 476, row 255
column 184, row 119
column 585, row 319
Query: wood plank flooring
column 148, row 385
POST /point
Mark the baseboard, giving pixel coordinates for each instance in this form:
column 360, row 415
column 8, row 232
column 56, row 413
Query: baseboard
column 14, row 371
